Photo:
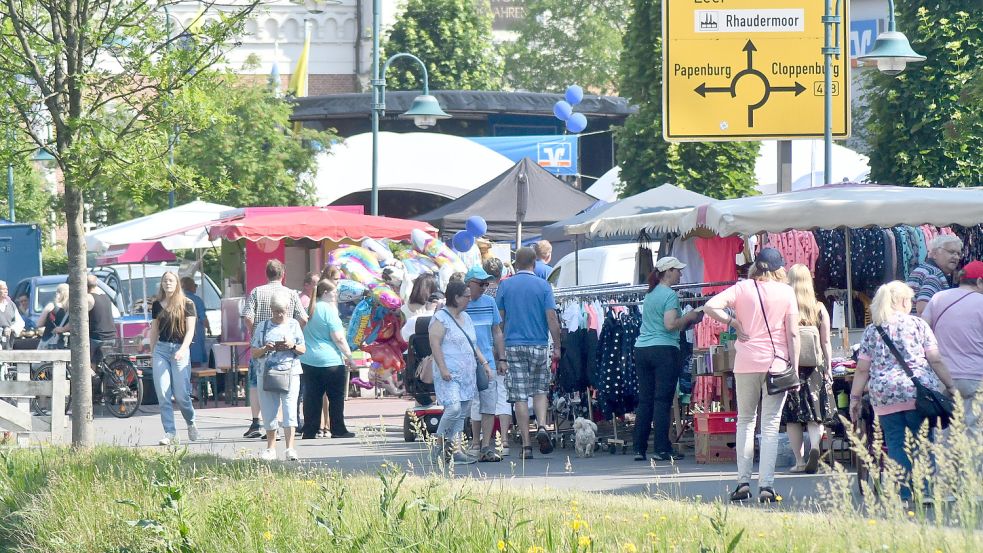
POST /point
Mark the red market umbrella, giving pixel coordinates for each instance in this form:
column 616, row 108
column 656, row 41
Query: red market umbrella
column 314, row 223
column 137, row 252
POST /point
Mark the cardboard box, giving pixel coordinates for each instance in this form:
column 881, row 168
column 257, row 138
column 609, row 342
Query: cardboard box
column 716, row 448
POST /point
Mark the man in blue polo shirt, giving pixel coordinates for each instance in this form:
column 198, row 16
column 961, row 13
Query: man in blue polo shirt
column 529, row 314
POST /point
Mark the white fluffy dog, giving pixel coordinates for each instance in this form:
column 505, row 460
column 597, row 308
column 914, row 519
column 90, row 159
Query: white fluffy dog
column 585, row 436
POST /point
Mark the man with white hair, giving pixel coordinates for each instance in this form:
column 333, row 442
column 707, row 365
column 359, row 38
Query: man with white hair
column 11, row 323
column 935, row 274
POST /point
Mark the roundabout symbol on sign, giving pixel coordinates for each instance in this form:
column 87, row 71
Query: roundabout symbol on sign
column 703, row 89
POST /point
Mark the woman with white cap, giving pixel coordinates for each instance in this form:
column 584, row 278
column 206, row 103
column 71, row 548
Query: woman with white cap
column 766, row 317
column 657, row 359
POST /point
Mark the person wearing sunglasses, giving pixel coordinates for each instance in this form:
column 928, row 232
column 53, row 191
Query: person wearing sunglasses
column 491, row 342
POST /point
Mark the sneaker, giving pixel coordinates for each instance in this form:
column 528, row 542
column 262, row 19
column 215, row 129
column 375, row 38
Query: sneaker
column 460, row 458
column 268, row 455
column 193, row 435
column 290, row 454
column 252, row 432
column 812, row 464
column 543, row 439
column 169, row 439
column 668, row 456
column 741, row 493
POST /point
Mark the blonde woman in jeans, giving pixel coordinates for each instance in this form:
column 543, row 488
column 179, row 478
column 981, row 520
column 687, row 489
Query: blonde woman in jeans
column 761, row 347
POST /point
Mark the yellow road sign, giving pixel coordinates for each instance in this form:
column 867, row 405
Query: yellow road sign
column 750, row 70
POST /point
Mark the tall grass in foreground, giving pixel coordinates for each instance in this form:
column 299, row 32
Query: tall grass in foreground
column 116, row 500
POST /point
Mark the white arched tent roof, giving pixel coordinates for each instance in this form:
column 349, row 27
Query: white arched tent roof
column 192, row 217
column 439, row 164
column 606, row 187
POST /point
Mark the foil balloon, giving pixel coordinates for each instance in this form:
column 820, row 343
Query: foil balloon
column 360, row 326
column 386, row 297
column 441, row 254
column 379, row 249
column 419, row 239
column 350, row 290
column 358, row 263
column 387, row 348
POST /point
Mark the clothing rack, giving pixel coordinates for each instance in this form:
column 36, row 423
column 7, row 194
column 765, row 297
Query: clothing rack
column 611, row 291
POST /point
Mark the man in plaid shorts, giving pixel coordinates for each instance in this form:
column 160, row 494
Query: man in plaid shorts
column 529, row 315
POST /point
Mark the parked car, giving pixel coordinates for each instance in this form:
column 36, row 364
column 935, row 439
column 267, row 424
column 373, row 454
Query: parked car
column 40, row 291
column 600, row 265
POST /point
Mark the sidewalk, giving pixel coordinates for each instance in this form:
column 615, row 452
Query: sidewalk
column 378, row 424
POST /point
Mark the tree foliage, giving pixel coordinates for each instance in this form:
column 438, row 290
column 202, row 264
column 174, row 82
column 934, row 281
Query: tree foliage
column 33, row 203
column 247, row 156
column 927, row 123
column 717, row 169
column 452, row 38
column 563, row 42
column 101, row 84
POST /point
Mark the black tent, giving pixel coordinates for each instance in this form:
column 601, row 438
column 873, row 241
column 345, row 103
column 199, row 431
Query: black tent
column 548, row 200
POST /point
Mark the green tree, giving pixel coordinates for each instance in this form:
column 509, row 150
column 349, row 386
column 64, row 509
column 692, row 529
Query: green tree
column 717, row 169
column 110, row 82
column 247, row 156
column 33, row 203
column 452, row 38
column 563, row 42
column 927, row 123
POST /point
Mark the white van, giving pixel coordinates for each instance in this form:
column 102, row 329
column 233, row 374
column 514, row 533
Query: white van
column 600, row 265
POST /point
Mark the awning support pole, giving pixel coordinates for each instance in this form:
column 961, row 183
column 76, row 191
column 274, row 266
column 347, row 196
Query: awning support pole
column 576, row 259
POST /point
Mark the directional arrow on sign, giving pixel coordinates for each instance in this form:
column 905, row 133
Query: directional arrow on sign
column 749, row 47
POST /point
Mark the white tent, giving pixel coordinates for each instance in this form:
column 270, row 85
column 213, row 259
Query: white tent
column 840, row 205
column 440, row 164
column 807, row 165
column 143, row 228
column 606, row 187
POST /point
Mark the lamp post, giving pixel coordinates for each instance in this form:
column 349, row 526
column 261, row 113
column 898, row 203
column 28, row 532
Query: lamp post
column 425, row 110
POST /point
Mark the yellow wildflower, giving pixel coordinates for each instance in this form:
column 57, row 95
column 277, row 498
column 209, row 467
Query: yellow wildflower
column 871, row 522
column 576, row 524
column 584, row 541
column 645, row 516
column 501, row 545
column 267, row 535
column 663, row 518
column 911, row 513
column 535, row 549
column 629, row 547
column 761, row 534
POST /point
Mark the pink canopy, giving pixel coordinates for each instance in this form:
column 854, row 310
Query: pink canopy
column 314, row 223
column 137, row 252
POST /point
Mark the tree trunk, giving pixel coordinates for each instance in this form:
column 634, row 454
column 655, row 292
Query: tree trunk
column 82, row 432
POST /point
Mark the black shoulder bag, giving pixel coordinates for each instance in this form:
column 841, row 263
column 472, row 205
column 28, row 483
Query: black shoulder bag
column 480, row 375
column 930, row 403
column 783, row 381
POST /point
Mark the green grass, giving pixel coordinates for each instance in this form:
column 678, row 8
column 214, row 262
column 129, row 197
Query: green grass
column 116, row 500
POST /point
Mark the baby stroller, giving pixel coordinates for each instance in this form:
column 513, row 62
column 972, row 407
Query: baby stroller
column 425, row 410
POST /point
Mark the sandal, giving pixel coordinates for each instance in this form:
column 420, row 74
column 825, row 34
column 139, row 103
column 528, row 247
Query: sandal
column 489, row 455
column 767, row 495
column 742, row 493
column 797, row 469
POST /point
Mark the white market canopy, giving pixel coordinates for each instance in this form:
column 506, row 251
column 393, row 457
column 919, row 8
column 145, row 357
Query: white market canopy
column 439, row 164
column 191, row 216
column 831, row 206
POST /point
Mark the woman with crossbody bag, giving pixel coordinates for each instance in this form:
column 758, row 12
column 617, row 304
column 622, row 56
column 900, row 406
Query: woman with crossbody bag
column 811, row 404
column 766, row 319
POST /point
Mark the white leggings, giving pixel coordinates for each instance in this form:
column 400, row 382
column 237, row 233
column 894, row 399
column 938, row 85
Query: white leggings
column 752, row 390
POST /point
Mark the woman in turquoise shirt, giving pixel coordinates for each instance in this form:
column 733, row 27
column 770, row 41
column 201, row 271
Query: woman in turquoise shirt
column 326, row 363
column 657, row 360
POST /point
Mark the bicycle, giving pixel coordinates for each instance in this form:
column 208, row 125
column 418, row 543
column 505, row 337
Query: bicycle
column 118, row 385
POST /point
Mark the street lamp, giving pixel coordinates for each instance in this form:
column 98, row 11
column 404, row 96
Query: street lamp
column 425, row 110
column 891, row 51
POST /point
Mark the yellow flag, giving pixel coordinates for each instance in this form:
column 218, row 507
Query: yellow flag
column 298, row 79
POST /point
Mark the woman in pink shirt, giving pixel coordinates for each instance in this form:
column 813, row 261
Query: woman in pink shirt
column 766, row 317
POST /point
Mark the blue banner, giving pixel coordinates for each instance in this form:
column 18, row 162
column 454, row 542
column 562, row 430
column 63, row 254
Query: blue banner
column 863, row 32
column 555, row 153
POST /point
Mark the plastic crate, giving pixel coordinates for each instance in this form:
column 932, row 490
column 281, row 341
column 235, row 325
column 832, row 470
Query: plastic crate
column 724, row 422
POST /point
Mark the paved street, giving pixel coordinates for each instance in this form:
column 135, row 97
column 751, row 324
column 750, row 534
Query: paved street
column 378, row 425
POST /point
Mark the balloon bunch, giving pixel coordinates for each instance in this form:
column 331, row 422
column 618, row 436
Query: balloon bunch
column 563, row 109
column 475, row 227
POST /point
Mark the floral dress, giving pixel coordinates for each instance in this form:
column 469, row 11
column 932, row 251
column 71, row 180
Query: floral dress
column 458, row 357
column 891, row 390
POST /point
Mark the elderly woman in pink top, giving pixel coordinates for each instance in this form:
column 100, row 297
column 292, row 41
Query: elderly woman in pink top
column 766, row 317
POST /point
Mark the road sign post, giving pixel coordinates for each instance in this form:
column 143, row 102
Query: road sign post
column 749, row 70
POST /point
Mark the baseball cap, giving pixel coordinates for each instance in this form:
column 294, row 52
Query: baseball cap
column 663, row 264
column 769, row 259
column 477, row 273
column 973, row 270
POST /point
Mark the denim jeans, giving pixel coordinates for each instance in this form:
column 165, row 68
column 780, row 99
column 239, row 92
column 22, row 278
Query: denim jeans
column 895, row 426
column 452, row 421
column 658, row 371
column 752, row 389
column 172, row 378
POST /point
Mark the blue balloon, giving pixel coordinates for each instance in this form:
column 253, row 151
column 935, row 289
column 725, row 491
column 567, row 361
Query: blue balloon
column 462, row 241
column 562, row 110
column 476, row 226
column 577, row 123
column 574, row 94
